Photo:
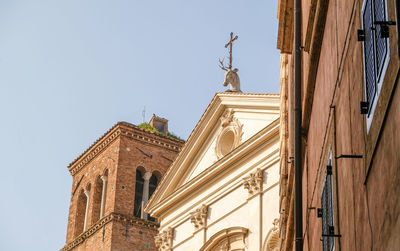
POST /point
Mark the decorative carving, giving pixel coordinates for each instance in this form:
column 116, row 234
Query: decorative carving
column 227, row 117
column 272, row 239
column 230, row 239
column 254, row 181
column 199, row 217
column 276, row 224
column 164, row 240
column 230, row 135
column 225, row 247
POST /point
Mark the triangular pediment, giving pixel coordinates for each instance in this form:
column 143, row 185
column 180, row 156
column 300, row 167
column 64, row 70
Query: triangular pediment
column 229, row 121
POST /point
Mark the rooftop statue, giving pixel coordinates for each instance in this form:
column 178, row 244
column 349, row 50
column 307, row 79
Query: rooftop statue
column 231, row 76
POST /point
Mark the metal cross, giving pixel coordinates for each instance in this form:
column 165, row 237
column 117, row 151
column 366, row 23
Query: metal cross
column 230, row 43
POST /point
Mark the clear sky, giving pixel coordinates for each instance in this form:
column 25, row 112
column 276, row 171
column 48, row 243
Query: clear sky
column 69, row 70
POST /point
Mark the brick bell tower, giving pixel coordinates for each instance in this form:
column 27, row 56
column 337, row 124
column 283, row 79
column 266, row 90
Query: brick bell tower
column 112, row 181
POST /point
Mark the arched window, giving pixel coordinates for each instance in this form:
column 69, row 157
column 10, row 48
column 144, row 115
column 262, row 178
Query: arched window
column 154, row 180
column 80, row 213
column 138, row 191
column 96, row 203
column 230, row 239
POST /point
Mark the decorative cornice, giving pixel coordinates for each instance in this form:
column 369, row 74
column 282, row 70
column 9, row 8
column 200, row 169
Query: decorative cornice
column 126, row 130
column 125, row 219
column 92, row 152
column 164, row 240
column 199, row 217
column 253, row 182
column 285, row 27
column 140, row 134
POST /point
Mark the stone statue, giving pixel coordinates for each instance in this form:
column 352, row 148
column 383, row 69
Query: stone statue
column 231, row 76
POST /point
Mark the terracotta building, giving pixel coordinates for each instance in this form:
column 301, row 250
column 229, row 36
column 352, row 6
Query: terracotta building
column 112, row 181
column 349, row 130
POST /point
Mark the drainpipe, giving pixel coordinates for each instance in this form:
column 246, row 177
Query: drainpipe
column 298, row 217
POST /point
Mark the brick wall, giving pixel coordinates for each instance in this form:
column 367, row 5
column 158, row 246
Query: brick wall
column 365, row 190
column 117, row 155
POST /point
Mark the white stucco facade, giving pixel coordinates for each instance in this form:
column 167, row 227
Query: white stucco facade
column 222, row 191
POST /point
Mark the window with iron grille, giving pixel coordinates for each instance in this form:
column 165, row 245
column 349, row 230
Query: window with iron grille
column 376, row 51
column 327, row 210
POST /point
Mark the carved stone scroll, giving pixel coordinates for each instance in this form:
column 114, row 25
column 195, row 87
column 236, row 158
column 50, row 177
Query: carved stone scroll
column 199, row 217
column 253, row 182
column 164, row 240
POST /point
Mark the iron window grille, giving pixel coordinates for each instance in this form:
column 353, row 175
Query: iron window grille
column 327, row 211
column 374, row 35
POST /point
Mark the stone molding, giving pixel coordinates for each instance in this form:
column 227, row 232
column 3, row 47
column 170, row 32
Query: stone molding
column 253, row 182
column 285, row 26
column 199, row 217
column 126, row 130
column 164, row 239
column 125, row 219
column 92, row 152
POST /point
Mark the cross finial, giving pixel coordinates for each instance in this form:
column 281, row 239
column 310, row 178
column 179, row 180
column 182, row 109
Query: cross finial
column 230, row 44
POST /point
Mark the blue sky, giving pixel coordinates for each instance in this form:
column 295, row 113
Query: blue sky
column 69, row 70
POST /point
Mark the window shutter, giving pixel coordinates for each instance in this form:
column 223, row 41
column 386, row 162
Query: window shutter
column 327, row 212
column 369, row 54
column 380, row 42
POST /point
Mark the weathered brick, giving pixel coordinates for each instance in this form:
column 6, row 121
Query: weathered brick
column 117, row 154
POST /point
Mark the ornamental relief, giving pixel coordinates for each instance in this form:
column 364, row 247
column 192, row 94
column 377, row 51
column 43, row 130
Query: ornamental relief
column 199, row 217
column 230, row 135
column 231, row 243
column 253, row 182
column 164, row 240
column 271, row 242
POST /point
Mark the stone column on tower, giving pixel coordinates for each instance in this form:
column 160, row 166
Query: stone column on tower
column 145, row 197
column 103, row 195
column 87, row 193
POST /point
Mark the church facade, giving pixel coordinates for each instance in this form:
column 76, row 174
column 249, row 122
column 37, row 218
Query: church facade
column 222, row 191
column 112, row 180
